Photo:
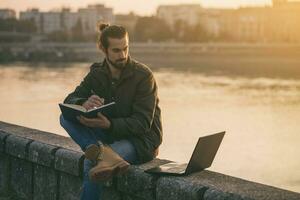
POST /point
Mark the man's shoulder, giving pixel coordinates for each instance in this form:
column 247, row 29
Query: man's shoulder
column 141, row 68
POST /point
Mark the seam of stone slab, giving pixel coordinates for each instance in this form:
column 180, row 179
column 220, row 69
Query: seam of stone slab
column 26, row 147
column 81, row 163
column 57, row 174
column 32, row 179
column 201, row 192
column 4, row 140
column 52, row 153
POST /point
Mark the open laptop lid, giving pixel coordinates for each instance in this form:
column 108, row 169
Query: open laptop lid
column 204, row 152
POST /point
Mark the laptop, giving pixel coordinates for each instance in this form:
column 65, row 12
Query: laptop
column 202, row 157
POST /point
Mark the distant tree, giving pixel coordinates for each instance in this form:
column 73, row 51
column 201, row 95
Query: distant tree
column 14, row 25
column 58, row 36
column 179, row 29
column 151, row 29
column 8, row 25
column 195, row 33
column 77, row 31
column 26, row 26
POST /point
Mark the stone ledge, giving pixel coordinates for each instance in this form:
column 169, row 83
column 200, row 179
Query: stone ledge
column 29, row 155
column 169, row 188
column 69, row 161
column 138, row 184
column 17, row 146
column 38, row 135
column 42, row 153
column 228, row 187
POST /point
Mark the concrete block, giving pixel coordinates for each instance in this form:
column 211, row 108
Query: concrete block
column 236, row 188
column 69, row 161
column 214, row 194
column 4, row 173
column 17, row 146
column 136, row 180
column 169, row 188
column 45, row 183
column 41, row 153
column 110, row 193
column 70, row 187
column 21, row 178
column 3, row 136
column 131, row 197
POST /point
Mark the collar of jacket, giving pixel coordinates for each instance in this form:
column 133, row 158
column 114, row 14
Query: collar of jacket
column 126, row 72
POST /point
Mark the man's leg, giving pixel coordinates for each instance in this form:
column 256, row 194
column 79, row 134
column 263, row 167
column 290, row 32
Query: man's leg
column 82, row 135
column 92, row 190
column 85, row 136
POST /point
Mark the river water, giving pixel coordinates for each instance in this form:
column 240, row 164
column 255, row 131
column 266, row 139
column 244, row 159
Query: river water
column 260, row 115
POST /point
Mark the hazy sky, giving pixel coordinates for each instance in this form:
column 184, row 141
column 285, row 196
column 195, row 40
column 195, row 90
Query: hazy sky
column 122, row 6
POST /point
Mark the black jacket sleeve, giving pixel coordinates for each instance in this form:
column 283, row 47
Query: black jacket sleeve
column 143, row 109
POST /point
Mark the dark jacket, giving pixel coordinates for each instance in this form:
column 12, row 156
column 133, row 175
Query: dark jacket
column 136, row 115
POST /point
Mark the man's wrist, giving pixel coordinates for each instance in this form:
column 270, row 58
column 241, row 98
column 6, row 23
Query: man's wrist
column 110, row 126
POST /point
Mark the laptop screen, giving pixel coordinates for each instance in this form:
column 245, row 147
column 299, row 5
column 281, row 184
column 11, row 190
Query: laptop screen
column 205, row 152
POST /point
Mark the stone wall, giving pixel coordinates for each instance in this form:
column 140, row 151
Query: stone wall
column 39, row 165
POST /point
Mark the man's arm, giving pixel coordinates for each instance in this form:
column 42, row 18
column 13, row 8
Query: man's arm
column 143, row 108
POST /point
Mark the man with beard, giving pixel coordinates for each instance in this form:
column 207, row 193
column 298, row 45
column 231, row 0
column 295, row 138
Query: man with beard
column 132, row 132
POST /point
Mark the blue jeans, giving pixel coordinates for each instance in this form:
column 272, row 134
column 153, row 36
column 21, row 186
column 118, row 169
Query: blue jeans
column 85, row 136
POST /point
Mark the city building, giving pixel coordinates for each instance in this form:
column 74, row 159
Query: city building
column 187, row 13
column 92, row 14
column 7, row 14
column 35, row 15
column 277, row 23
column 127, row 20
column 65, row 20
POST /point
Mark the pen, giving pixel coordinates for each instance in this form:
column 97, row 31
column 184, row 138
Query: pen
column 93, row 93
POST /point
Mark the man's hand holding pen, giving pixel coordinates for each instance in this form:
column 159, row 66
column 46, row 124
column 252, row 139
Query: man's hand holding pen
column 93, row 101
column 100, row 121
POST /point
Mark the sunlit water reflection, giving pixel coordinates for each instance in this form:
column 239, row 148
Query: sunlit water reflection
column 260, row 115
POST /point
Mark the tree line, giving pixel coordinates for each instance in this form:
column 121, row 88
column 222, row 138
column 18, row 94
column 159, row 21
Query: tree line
column 146, row 29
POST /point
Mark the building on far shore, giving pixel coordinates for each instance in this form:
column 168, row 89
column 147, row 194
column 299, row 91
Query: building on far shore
column 188, row 13
column 127, row 20
column 65, row 20
column 277, row 23
column 7, row 14
column 92, row 14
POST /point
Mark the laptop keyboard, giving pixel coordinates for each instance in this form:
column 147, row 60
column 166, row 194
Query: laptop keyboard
column 174, row 168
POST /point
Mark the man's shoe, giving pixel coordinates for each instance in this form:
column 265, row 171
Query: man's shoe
column 92, row 152
column 109, row 163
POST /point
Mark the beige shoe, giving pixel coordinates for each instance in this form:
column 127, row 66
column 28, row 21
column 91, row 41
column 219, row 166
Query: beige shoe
column 109, row 164
column 92, row 152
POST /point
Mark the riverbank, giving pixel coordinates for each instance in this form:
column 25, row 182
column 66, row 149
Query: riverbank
column 266, row 60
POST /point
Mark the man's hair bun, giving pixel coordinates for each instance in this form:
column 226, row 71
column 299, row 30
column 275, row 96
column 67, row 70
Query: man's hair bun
column 101, row 26
column 105, row 31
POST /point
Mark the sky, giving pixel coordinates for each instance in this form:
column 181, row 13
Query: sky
column 123, row 6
